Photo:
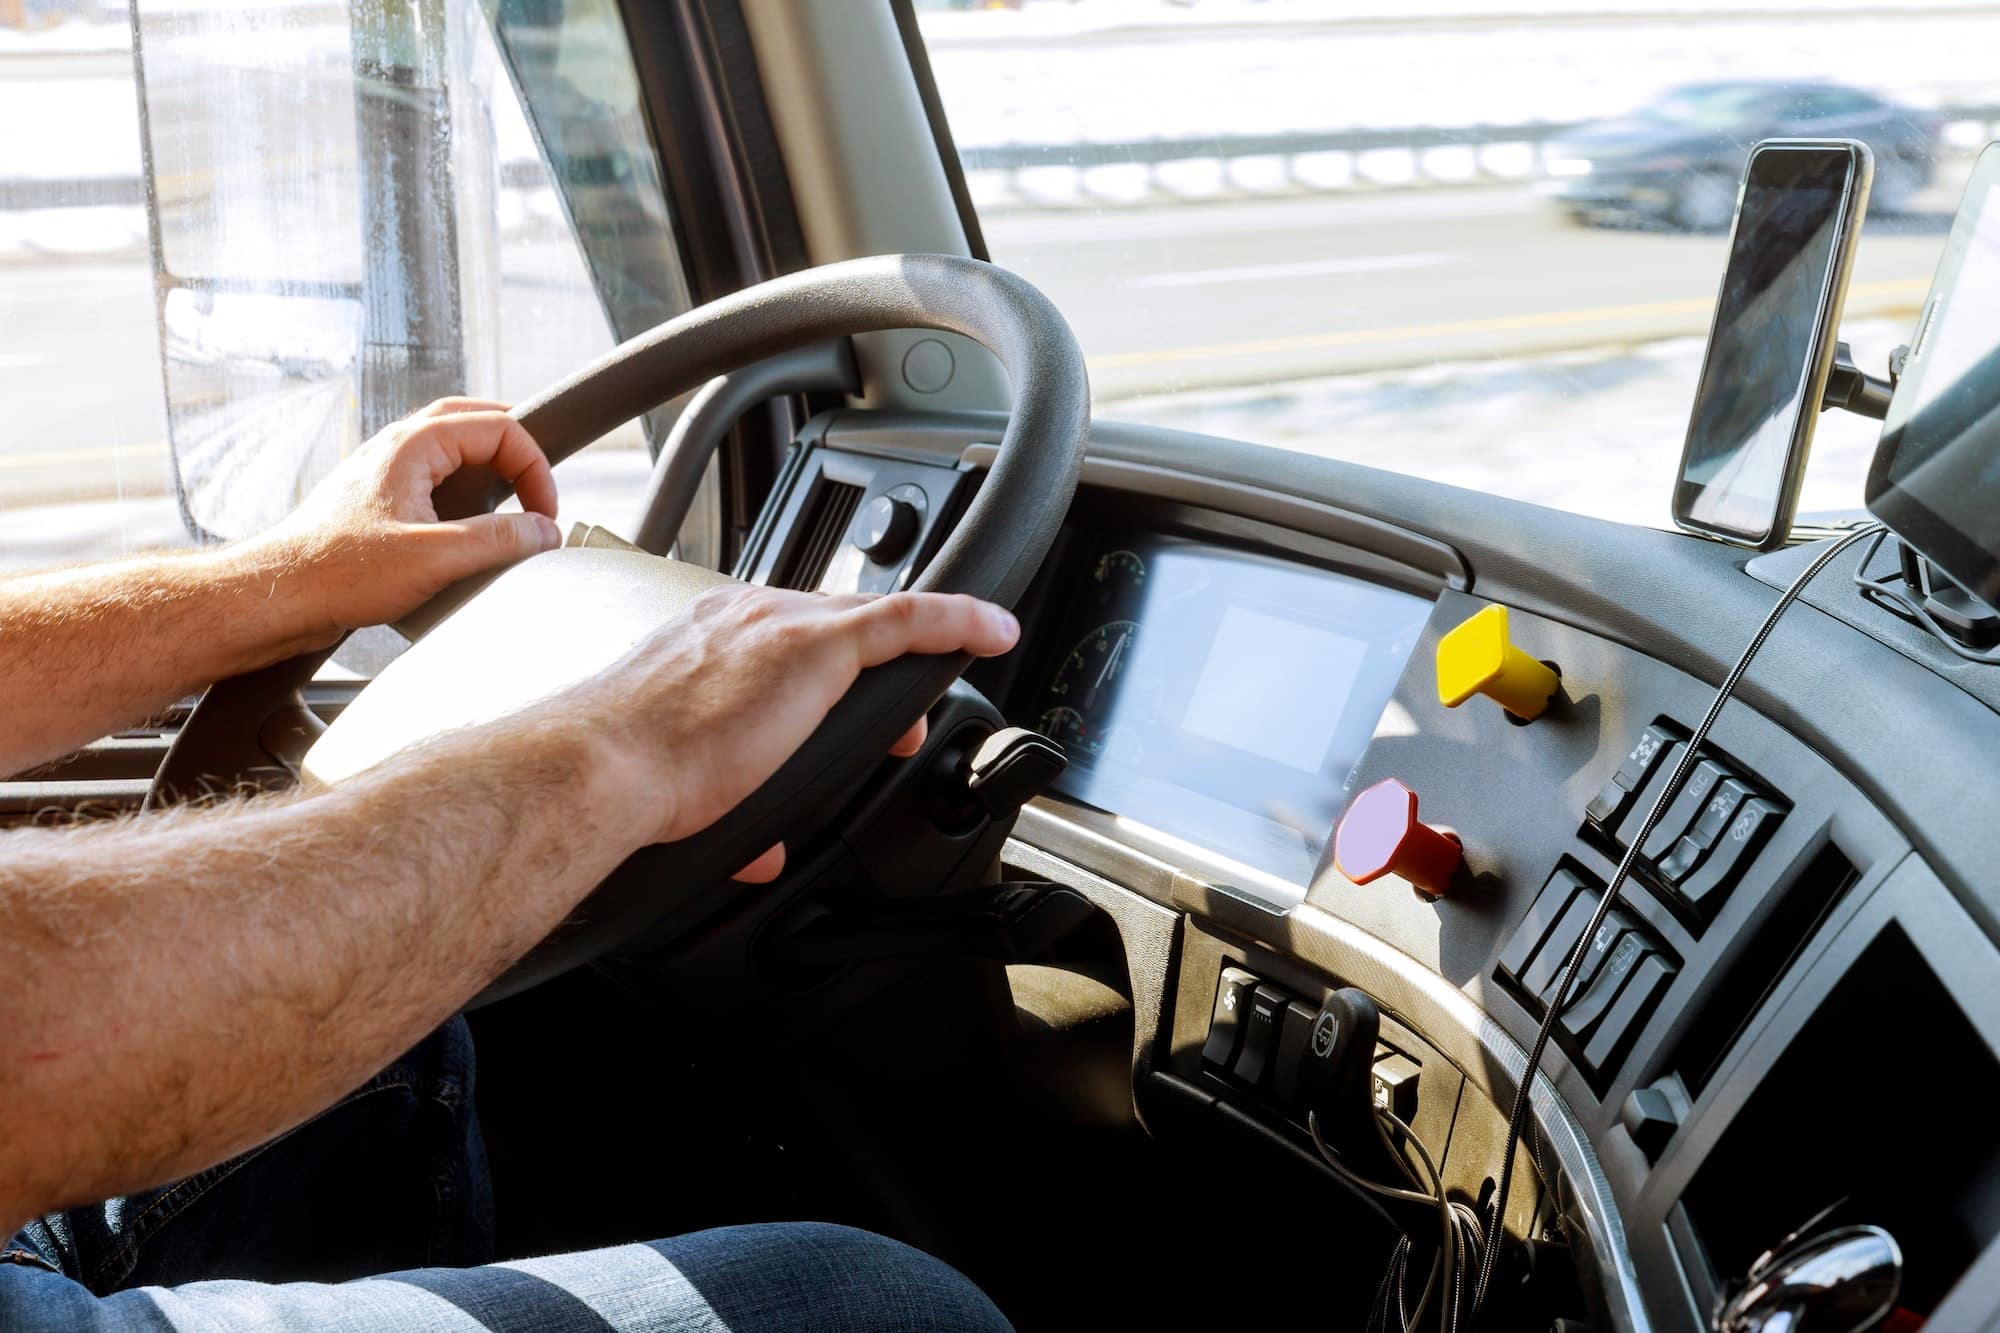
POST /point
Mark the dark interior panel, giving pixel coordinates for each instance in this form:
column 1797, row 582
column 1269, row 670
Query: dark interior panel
column 1806, row 798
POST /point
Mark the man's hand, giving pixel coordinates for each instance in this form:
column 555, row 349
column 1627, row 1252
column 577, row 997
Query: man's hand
column 366, row 546
column 85, row 651
column 711, row 705
column 334, row 929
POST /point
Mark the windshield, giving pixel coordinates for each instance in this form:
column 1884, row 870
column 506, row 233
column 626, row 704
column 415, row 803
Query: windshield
column 1708, row 108
column 1440, row 237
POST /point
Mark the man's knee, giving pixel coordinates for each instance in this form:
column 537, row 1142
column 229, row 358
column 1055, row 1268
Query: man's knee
column 822, row 1276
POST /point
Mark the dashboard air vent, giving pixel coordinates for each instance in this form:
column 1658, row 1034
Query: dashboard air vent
column 821, row 528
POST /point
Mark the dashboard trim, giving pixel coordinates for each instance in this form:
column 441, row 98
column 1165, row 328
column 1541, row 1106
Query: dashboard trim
column 1484, row 1051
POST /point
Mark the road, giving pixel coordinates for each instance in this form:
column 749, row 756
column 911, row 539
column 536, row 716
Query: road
column 1255, row 292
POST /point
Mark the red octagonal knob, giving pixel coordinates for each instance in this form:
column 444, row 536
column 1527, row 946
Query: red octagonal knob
column 1381, row 835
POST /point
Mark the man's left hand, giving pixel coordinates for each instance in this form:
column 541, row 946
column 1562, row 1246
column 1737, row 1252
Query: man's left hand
column 366, row 546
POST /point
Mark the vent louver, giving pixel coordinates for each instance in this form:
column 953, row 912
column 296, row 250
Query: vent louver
column 824, row 527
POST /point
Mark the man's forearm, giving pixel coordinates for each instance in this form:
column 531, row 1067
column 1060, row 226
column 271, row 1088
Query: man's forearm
column 179, row 989
column 86, row 651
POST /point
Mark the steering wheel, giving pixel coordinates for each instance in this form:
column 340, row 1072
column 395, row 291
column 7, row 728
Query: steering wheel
column 564, row 615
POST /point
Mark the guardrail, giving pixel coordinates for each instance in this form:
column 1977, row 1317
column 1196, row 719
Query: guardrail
column 1319, row 161
column 1433, row 155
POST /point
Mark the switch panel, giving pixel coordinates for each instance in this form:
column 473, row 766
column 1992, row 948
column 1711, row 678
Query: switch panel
column 1623, row 972
column 1706, row 837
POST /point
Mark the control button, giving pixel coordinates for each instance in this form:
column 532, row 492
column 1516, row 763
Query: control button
column 1711, row 882
column 1649, row 1118
column 1653, row 742
column 885, row 528
column 1590, row 1002
column 1395, row 1085
column 1381, row 835
column 1225, row 1025
column 1684, row 857
column 1294, row 1037
column 1610, row 801
column 1478, row 657
column 1715, row 819
column 1720, row 810
column 1628, row 1012
column 1555, row 951
column 1688, row 805
column 1617, row 926
column 1542, row 913
column 1648, row 794
column 1260, row 1035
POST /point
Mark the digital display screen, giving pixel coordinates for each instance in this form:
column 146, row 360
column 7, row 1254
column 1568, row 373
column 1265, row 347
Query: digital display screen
column 1936, row 477
column 1222, row 697
column 1750, row 404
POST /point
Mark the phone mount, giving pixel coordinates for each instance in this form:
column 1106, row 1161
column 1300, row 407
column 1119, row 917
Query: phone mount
column 1917, row 590
column 1853, row 389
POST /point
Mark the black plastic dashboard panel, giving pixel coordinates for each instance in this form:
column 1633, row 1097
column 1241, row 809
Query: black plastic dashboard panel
column 1902, row 734
column 1869, row 753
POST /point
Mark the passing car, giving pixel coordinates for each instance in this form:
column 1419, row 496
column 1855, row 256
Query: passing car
column 1677, row 160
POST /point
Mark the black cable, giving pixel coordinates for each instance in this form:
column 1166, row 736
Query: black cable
column 1447, row 1260
column 1460, row 1240
column 1354, row 1177
column 1518, row 1117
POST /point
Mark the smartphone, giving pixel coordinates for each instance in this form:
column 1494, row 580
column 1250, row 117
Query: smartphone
column 1771, row 345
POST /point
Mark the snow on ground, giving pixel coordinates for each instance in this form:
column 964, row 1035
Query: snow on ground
column 1227, row 68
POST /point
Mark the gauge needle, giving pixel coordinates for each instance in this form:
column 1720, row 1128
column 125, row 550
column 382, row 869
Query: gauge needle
column 1110, row 667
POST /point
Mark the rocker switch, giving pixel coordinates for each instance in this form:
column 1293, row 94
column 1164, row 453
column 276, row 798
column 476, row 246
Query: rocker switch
column 1226, row 1024
column 1260, row 1035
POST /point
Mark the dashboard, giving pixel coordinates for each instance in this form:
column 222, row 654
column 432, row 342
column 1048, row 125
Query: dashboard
column 1793, row 1007
column 1213, row 693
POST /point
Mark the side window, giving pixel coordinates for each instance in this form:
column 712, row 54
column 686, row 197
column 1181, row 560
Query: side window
column 249, row 236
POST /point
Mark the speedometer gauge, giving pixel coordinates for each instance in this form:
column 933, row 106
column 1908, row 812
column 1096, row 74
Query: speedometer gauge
column 1086, row 687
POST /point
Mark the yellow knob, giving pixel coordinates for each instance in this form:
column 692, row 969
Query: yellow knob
column 1478, row 658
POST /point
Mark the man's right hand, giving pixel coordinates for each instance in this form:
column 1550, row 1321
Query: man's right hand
column 715, row 701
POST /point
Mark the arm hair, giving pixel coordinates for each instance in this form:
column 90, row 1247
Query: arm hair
column 180, row 987
column 85, row 651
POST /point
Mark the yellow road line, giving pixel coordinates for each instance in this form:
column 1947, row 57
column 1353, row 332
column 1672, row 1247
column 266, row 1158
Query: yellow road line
column 103, row 453
column 1913, row 288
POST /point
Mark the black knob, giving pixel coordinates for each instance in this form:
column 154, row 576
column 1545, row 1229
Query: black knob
column 884, row 529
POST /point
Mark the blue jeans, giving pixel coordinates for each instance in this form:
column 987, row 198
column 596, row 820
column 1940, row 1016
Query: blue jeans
column 392, row 1181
